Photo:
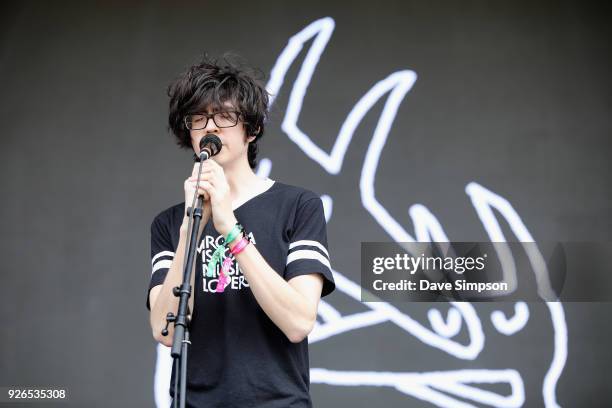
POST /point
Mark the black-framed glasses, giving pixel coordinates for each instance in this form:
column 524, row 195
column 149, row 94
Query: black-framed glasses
column 225, row 119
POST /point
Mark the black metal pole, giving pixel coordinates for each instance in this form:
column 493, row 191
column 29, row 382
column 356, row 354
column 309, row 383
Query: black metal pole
column 181, row 341
column 209, row 146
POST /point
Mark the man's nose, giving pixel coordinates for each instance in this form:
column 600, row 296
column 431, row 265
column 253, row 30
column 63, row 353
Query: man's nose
column 211, row 126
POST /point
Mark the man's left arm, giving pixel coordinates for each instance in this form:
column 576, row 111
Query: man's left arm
column 291, row 305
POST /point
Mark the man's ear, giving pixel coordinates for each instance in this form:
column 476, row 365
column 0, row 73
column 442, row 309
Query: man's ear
column 252, row 137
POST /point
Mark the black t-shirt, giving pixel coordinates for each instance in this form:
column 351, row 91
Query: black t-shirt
column 238, row 357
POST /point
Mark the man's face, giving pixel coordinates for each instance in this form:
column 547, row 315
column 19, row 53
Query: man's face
column 234, row 139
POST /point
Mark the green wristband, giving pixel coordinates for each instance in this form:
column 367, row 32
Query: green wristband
column 234, row 233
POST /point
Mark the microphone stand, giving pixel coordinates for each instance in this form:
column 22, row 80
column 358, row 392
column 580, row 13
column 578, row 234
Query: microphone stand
column 181, row 341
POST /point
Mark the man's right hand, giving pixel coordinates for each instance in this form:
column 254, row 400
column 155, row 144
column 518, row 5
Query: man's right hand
column 190, row 190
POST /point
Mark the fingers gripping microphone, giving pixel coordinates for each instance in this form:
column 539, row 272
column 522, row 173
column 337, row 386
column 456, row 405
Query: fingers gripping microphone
column 210, row 145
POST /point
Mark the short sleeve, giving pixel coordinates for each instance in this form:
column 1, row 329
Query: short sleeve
column 308, row 252
column 162, row 253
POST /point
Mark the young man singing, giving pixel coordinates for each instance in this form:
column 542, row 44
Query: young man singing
column 251, row 317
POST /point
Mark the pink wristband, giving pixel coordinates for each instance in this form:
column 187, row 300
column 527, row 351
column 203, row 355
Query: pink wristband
column 239, row 246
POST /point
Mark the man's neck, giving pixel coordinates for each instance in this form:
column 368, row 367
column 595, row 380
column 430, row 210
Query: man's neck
column 242, row 180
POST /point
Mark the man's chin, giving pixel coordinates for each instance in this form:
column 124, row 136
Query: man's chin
column 218, row 160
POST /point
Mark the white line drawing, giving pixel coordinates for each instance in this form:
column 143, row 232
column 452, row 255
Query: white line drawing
column 382, row 312
column 263, row 168
column 515, row 323
column 437, row 388
column 321, row 30
column 483, row 200
column 424, row 385
column 328, row 206
column 447, row 328
column 163, row 375
column 427, row 226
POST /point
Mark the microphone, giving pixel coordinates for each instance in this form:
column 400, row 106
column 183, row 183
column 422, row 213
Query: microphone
column 210, row 145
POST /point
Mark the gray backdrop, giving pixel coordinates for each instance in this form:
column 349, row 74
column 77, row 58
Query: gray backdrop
column 511, row 99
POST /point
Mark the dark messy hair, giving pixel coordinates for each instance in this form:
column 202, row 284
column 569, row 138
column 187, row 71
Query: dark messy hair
column 211, row 83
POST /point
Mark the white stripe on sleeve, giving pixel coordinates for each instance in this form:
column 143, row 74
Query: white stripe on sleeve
column 309, row 243
column 308, row 254
column 160, row 254
column 164, row 263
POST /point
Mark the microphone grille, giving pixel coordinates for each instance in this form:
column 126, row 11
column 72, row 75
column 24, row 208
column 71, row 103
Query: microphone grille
column 212, row 143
